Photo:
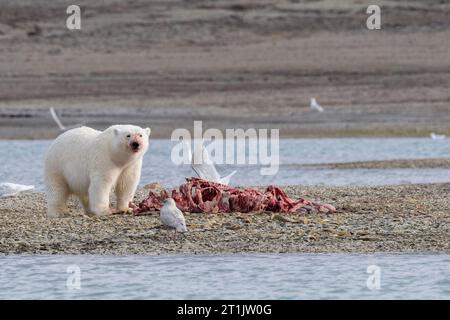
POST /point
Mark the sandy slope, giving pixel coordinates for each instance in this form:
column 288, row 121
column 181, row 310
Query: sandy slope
column 229, row 63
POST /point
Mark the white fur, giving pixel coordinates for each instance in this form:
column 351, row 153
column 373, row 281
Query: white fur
column 90, row 163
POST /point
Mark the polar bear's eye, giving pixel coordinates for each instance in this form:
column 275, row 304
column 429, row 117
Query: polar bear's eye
column 140, row 135
column 128, row 136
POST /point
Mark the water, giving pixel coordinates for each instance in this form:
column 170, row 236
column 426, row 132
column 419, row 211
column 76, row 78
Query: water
column 249, row 276
column 22, row 162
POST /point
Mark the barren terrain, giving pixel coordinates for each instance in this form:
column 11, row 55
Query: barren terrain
column 228, row 63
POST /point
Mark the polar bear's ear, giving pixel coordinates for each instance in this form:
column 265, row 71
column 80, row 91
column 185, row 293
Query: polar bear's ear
column 116, row 132
column 148, row 131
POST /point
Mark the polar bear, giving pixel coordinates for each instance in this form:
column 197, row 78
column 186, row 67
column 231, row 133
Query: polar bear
column 89, row 163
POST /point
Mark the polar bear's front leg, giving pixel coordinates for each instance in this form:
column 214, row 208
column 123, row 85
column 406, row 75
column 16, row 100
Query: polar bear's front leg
column 57, row 195
column 85, row 202
column 99, row 191
column 126, row 186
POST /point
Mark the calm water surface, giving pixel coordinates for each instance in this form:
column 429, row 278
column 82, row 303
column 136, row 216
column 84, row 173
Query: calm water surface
column 22, row 162
column 249, row 276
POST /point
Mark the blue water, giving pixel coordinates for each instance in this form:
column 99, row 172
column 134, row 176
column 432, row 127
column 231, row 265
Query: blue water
column 22, row 162
column 249, row 276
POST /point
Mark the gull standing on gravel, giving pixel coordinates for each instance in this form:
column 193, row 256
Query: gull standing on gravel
column 172, row 217
column 11, row 189
column 207, row 170
column 315, row 105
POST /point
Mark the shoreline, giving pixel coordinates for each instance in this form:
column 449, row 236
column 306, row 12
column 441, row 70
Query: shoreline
column 50, row 132
column 227, row 254
column 426, row 163
column 21, row 134
column 390, row 219
column 35, row 123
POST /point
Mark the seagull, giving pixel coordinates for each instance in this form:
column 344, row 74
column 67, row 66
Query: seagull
column 59, row 123
column 11, row 189
column 435, row 136
column 172, row 217
column 207, row 170
column 315, row 106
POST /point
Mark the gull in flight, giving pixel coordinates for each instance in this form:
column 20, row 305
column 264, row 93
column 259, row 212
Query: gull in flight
column 11, row 189
column 59, row 123
column 172, row 217
column 207, row 170
column 435, row 136
column 315, row 105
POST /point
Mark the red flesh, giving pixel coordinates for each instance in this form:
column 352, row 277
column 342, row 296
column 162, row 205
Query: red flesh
column 198, row 195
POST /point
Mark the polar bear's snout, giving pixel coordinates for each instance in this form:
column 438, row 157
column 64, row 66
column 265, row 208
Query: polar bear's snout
column 136, row 143
column 135, row 146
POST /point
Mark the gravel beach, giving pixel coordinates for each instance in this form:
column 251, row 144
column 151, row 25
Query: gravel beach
column 413, row 218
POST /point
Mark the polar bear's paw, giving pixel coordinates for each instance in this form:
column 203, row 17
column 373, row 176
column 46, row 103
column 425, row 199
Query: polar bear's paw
column 126, row 211
column 55, row 214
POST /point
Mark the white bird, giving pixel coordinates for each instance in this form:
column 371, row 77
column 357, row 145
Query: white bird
column 435, row 136
column 206, row 169
column 315, row 105
column 172, row 217
column 11, row 189
column 59, row 123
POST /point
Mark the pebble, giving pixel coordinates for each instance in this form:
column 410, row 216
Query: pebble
column 369, row 219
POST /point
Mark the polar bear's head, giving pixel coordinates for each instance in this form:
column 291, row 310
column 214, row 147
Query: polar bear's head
column 130, row 141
